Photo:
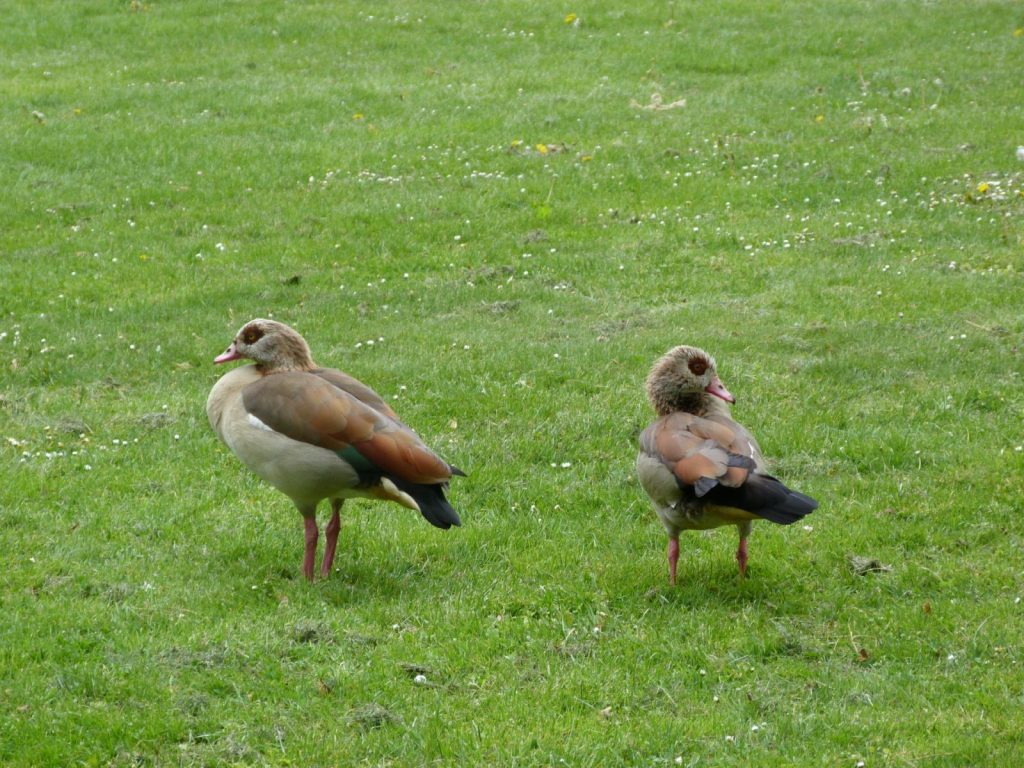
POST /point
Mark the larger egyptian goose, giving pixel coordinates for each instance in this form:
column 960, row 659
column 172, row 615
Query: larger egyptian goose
column 700, row 468
column 316, row 433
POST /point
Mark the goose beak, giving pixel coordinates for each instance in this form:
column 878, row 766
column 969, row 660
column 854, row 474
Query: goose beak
column 229, row 354
column 717, row 388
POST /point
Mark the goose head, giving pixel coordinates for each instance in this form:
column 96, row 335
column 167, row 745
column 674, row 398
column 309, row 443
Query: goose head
column 273, row 346
column 684, row 379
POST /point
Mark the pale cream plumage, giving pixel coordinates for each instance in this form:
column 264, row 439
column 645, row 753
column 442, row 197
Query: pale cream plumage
column 700, row 468
column 316, row 433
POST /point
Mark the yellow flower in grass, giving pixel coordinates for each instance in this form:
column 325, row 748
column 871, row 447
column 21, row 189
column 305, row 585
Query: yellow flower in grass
column 542, row 149
column 570, row 18
column 358, row 116
column 983, row 187
column 1018, row 32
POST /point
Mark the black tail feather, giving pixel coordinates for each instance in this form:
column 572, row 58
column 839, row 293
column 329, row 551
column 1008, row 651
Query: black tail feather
column 432, row 503
column 765, row 497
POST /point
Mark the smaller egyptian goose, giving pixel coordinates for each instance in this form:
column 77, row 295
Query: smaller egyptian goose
column 316, row 433
column 700, row 468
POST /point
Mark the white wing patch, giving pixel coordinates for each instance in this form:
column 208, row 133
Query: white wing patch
column 257, row 423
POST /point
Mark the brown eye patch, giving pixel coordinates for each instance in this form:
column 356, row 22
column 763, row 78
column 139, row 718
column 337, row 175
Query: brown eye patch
column 698, row 366
column 251, row 334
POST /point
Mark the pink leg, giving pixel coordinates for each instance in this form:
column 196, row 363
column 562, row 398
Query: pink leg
column 312, row 534
column 741, row 556
column 331, row 537
column 673, row 558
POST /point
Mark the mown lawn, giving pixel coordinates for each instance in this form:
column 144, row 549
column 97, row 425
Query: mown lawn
column 498, row 215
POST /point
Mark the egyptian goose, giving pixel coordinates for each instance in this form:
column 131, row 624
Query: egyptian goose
column 699, row 467
column 316, row 433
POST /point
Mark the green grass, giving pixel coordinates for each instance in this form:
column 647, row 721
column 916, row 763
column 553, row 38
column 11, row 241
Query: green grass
column 835, row 214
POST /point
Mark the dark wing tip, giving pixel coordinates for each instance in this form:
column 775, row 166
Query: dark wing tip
column 441, row 515
column 738, row 460
column 702, row 486
column 457, row 472
column 811, row 503
column 429, row 497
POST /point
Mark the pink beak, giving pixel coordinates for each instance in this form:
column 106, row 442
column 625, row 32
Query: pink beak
column 229, row 354
column 717, row 388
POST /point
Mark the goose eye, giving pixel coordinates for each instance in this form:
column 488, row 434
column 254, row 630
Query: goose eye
column 251, row 334
column 698, row 366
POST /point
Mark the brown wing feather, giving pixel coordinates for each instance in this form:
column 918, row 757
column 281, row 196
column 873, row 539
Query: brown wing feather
column 313, row 410
column 742, row 441
column 694, row 448
column 356, row 388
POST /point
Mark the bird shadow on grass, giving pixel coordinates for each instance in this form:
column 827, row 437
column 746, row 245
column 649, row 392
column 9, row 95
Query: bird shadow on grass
column 356, row 584
column 360, row 580
column 702, row 588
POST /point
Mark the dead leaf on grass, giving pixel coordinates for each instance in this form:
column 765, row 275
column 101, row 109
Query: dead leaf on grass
column 412, row 669
column 657, row 104
column 863, row 565
column 371, row 716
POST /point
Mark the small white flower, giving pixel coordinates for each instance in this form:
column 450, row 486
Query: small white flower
column 1020, row 154
column 420, row 679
